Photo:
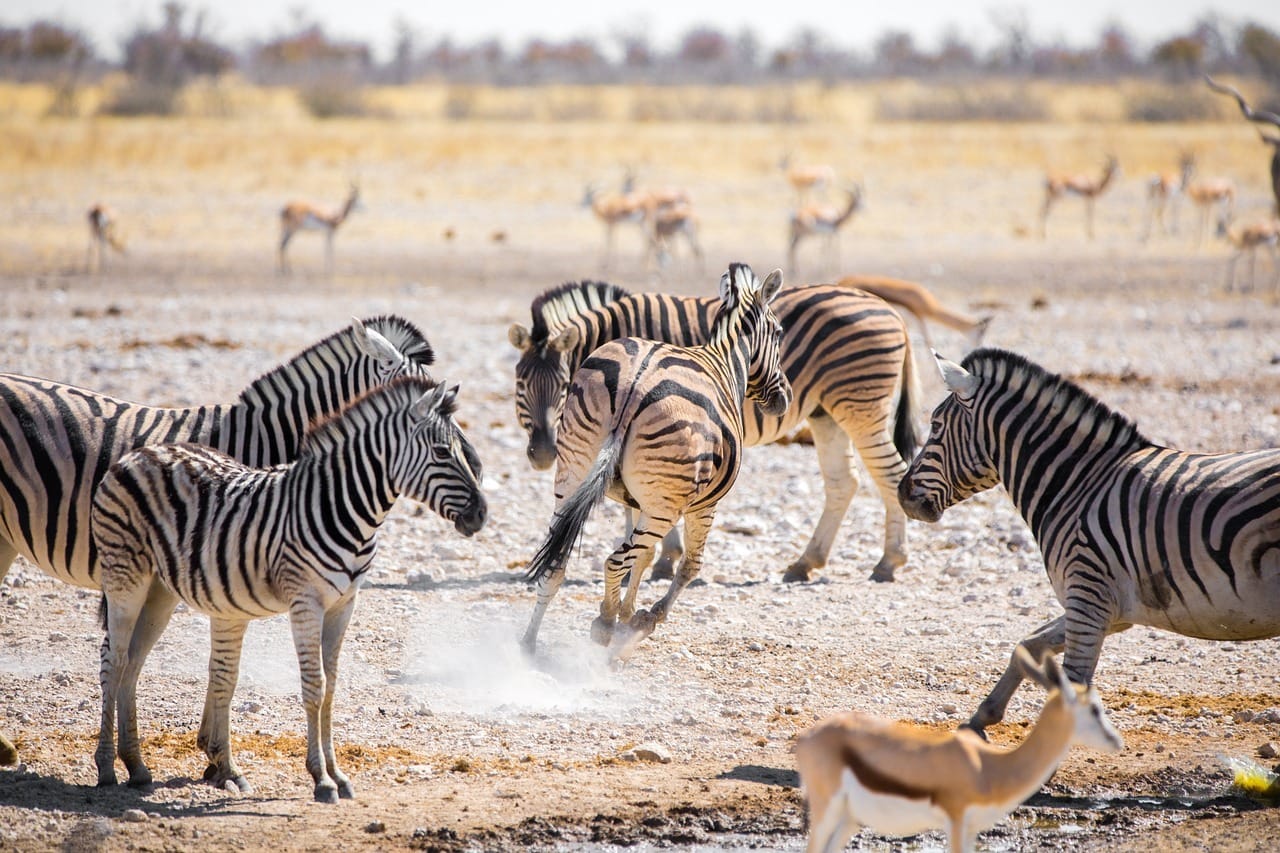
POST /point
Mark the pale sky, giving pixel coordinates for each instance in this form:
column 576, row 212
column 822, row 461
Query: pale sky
column 851, row 23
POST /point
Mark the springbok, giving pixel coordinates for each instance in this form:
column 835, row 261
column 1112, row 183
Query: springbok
column 807, row 178
column 102, row 233
column 1249, row 238
column 665, row 223
column 1163, row 192
column 1218, row 193
column 613, row 209
column 921, row 304
column 824, row 219
column 897, row 779
column 1085, row 186
column 299, row 216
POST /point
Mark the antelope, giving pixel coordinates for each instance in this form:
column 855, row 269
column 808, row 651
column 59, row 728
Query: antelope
column 1260, row 117
column 102, row 233
column 668, row 221
column 1249, row 238
column 807, row 178
column 613, row 209
column 1088, row 188
column 921, row 304
column 897, row 779
column 1163, row 191
column 299, row 216
column 1206, row 195
column 824, row 219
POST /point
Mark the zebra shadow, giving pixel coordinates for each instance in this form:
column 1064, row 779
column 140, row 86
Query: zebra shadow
column 516, row 578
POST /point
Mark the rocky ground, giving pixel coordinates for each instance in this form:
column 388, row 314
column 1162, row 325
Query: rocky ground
column 455, row 741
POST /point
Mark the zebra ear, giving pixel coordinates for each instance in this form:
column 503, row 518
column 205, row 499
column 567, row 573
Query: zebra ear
column 959, row 381
column 772, row 284
column 439, row 399
column 519, row 337
column 566, row 340
column 374, row 345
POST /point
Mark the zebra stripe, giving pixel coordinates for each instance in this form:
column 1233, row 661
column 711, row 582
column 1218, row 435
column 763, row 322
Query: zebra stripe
column 1132, row 533
column 188, row 523
column 659, row 428
column 845, row 352
column 57, row 441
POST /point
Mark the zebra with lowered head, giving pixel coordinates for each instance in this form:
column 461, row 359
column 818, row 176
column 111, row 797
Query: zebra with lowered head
column 1132, row 533
column 187, row 523
column 846, row 355
column 57, row 441
column 659, row 428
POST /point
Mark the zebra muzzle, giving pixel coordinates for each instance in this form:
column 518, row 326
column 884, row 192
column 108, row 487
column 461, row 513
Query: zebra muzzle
column 470, row 520
column 916, row 503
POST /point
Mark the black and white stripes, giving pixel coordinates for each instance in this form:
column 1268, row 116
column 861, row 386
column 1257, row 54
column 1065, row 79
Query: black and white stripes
column 1131, row 532
column 187, row 523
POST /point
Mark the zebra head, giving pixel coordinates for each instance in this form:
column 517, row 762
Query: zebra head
column 953, row 464
column 542, row 381
column 437, row 470
column 744, row 294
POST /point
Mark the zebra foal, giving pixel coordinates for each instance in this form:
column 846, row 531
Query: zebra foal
column 57, row 441
column 187, row 523
column 1132, row 533
column 846, row 355
column 658, row 428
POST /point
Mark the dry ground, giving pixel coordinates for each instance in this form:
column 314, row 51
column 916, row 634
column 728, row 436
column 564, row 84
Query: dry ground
column 451, row 737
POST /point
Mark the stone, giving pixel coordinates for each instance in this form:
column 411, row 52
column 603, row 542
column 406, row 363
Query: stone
column 652, row 752
column 134, row 816
column 1270, row 749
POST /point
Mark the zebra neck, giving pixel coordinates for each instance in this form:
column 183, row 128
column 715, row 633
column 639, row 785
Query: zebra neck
column 728, row 345
column 344, row 483
column 683, row 321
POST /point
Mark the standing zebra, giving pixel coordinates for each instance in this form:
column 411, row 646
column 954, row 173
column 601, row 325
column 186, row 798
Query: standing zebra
column 57, row 441
column 1132, row 533
column 659, row 428
column 845, row 352
column 187, row 523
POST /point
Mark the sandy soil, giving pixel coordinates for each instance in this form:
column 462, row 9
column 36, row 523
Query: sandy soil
column 453, row 740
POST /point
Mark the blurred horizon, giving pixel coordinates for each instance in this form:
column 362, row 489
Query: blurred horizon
column 381, row 23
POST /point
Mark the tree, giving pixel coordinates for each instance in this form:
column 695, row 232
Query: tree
column 1262, row 47
column 1181, row 56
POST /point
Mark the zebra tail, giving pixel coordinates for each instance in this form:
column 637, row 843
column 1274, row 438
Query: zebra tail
column 571, row 517
column 102, row 611
column 905, row 436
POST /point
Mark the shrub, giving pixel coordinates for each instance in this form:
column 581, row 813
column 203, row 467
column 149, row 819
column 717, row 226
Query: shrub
column 963, row 105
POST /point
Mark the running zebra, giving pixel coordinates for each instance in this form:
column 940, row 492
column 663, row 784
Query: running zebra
column 659, row 428
column 187, row 523
column 845, row 353
column 1132, row 533
column 57, row 441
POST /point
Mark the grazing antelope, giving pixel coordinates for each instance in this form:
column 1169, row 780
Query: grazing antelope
column 1208, row 195
column 183, row 522
column 613, row 209
column 897, row 779
column 1163, row 192
column 1249, row 238
column 102, row 233
column 300, row 216
column 1132, row 533
column 659, row 428
column 807, row 178
column 665, row 223
column 825, row 220
column 1085, row 186
column 1260, row 117
column 921, row 304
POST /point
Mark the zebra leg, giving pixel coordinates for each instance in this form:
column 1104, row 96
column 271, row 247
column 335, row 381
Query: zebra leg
column 226, row 639
column 8, row 752
column 335, row 629
column 672, row 551
column 306, row 618
column 124, row 605
column 697, row 525
column 1051, row 636
column 548, row 586
column 840, row 483
column 622, row 564
column 887, row 469
column 151, row 622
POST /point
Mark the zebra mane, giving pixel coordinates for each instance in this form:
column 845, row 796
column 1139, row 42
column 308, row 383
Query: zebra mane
column 398, row 394
column 555, row 308
column 1011, row 370
column 404, row 335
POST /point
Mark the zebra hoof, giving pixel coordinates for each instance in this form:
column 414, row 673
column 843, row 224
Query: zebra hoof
column 601, row 631
column 345, row 789
column 798, row 573
column 107, row 780
column 977, row 729
column 211, row 772
column 8, row 752
column 327, row 792
column 882, row 576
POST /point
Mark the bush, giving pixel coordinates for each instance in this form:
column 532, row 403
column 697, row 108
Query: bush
column 963, row 105
column 335, row 99
column 141, row 98
column 1171, row 105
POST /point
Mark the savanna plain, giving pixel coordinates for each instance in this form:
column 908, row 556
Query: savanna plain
column 453, row 739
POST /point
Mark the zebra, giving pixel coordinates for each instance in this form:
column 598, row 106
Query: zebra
column 188, row 523
column 1131, row 533
column 659, row 428
column 846, row 354
column 57, row 441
